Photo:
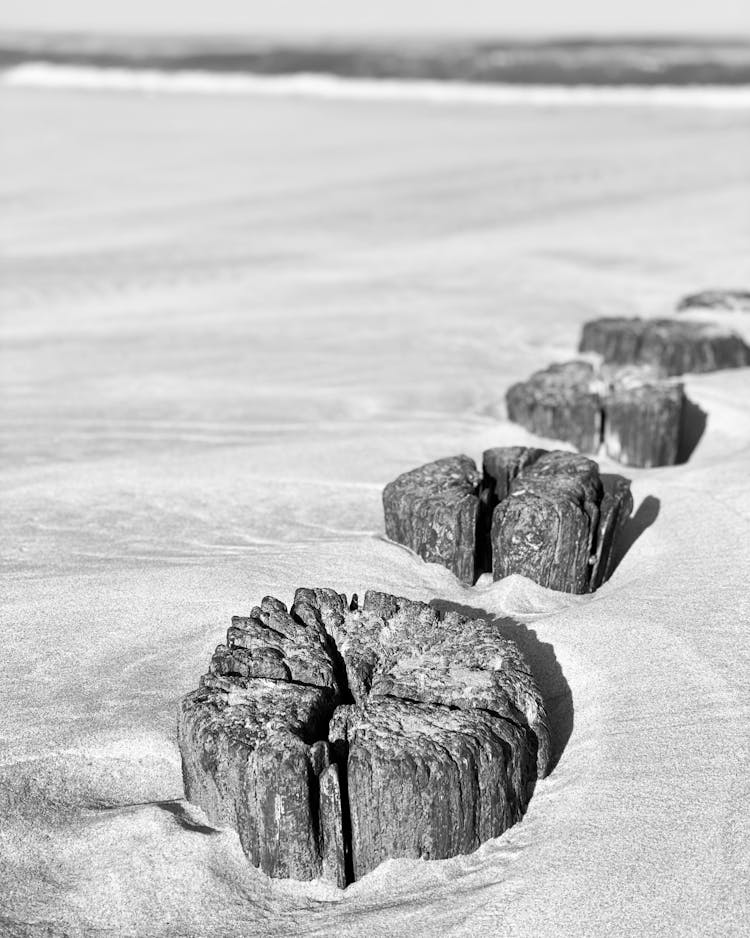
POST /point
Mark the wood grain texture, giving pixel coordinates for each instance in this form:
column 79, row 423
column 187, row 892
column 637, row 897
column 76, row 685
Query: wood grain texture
column 433, row 510
column 557, row 526
column 422, row 735
column 643, row 422
column 561, row 402
column 538, row 514
column 630, row 409
column 673, row 346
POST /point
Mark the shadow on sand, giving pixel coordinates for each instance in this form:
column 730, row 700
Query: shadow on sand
column 178, row 810
column 177, row 807
column 692, row 427
column 644, row 517
column 540, row 656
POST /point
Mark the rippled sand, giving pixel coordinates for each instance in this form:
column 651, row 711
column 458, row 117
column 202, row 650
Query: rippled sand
column 226, row 323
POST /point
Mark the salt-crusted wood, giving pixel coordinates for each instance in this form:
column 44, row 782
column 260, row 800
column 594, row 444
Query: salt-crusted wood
column 433, row 510
column 541, row 515
column 674, row 346
column 629, row 408
column 720, row 300
column 421, row 735
column 562, row 403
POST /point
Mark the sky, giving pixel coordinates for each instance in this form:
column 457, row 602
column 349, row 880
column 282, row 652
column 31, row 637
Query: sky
column 383, row 17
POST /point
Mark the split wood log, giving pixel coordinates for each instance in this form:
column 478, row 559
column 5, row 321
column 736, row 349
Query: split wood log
column 643, row 421
column 433, row 510
column 562, row 403
column 421, row 734
column 636, row 414
column 246, row 737
column 558, row 524
column 546, row 515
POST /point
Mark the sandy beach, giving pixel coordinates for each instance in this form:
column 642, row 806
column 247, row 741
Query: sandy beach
column 226, row 323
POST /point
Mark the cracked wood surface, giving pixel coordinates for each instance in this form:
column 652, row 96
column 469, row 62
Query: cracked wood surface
column 545, row 515
column 411, row 732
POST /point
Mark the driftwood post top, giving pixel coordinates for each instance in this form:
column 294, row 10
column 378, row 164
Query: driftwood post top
column 545, row 515
column 673, row 346
column 721, row 300
column 561, row 402
column 631, row 410
column 559, row 522
column 333, row 736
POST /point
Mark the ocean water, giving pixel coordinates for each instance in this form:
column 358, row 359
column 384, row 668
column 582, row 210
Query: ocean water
column 551, row 73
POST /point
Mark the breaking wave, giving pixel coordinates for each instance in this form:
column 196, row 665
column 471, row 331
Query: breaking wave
column 309, row 85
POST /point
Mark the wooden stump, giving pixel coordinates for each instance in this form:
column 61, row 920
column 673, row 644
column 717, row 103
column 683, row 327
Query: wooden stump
column 562, row 403
column 552, row 534
column 672, row 346
column 629, row 408
column 421, row 734
column 643, row 422
column 245, row 738
column 558, row 525
column 433, row 510
column 720, row 300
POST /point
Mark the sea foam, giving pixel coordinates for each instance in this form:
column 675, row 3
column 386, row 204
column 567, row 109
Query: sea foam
column 96, row 78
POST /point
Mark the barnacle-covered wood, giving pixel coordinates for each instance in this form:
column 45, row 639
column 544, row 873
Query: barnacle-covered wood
column 433, row 510
column 552, row 525
column 561, row 402
column 421, row 734
column 673, row 346
column 643, row 421
column 720, row 300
